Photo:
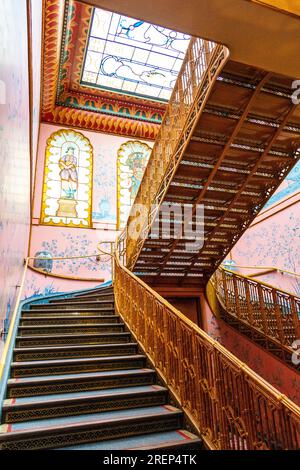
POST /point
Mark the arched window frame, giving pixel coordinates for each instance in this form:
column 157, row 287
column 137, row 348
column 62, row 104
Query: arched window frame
column 84, row 222
column 125, row 147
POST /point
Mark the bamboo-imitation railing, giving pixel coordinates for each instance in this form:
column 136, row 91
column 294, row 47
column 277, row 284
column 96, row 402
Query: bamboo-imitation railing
column 267, row 310
column 229, row 404
column 200, row 69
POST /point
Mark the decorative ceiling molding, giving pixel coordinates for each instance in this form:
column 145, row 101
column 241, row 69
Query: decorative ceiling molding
column 65, row 101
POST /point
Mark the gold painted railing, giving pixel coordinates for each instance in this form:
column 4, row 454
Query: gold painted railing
column 265, row 309
column 200, row 69
column 230, row 405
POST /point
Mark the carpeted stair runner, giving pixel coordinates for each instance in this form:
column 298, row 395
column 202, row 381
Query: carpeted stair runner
column 78, row 381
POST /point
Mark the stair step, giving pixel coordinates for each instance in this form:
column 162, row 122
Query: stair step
column 72, row 339
column 65, row 431
column 71, row 314
column 62, row 311
column 33, row 386
column 95, row 298
column 180, row 438
column 67, row 319
column 49, row 406
column 71, row 328
column 69, row 352
column 80, row 365
column 101, row 292
column 73, row 304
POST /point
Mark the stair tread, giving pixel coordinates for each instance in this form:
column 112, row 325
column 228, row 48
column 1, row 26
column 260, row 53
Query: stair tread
column 87, row 395
column 72, row 347
column 70, row 377
column 77, row 360
column 76, row 302
column 76, row 335
column 86, row 317
column 87, row 325
column 88, row 419
column 64, row 310
column 167, row 438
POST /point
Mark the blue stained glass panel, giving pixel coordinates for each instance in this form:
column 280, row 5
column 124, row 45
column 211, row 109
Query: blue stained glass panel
column 130, row 56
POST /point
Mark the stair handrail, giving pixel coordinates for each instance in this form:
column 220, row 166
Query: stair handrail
column 230, row 405
column 199, row 71
column 273, row 312
column 273, row 268
column 13, row 322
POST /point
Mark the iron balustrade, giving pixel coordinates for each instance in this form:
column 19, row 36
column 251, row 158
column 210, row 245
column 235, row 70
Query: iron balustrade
column 228, row 403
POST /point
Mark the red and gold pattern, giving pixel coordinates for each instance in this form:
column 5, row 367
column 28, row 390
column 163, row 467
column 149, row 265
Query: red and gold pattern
column 102, row 123
column 65, row 100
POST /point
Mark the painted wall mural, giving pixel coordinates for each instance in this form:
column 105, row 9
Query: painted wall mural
column 67, row 190
column 104, row 186
column 38, row 285
column 61, row 242
column 133, row 157
column 274, row 241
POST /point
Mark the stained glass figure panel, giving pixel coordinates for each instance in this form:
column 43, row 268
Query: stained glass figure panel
column 133, row 157
column 132, row 56
column 67, row 190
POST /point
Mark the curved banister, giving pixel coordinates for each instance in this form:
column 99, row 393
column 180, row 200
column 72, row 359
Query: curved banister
column 266, row 268
column 228, row 403
column 270, row 311
column 200, row 69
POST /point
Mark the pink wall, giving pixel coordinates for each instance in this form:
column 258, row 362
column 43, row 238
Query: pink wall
column 273, row 240
column 62, row 242
column 14, row 150
column 36, row 27
column 104, row 172
column 37, row 284
column 282, row 377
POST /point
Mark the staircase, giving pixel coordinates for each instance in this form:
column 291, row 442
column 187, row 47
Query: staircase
column 230, row 135
column 267, row 315
column 79, row 381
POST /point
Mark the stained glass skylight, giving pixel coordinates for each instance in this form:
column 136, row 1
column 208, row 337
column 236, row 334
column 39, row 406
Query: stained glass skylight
column 130, row 56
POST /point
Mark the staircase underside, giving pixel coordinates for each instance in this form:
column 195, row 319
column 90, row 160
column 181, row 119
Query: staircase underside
column 245, row 142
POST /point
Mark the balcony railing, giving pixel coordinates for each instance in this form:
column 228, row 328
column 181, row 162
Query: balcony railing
column 229, row 404
column 199, row 70
column 266, row 310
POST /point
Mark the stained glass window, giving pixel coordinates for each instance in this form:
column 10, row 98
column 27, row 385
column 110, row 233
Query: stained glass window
column 133, row 57
column 133, row 157
column 67, row 190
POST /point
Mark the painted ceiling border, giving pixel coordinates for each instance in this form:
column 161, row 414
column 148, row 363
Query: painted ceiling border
column 66, row 29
